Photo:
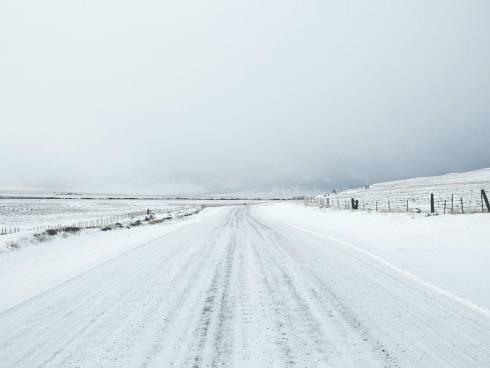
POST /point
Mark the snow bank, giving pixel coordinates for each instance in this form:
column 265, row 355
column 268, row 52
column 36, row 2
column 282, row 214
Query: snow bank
column 449, row 252
column 30, row 270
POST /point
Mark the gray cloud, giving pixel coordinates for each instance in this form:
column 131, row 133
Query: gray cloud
column 192, row 96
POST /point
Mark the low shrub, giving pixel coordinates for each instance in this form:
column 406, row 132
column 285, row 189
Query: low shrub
column 71, row 229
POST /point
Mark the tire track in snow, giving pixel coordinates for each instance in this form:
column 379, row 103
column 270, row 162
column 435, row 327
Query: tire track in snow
column 323, row 343
column 213, row 329
column 184, row 282
column 333, row 306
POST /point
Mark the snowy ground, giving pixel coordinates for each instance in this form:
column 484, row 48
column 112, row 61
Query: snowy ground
column 38, row 266
column 275, row 285
column 451, row 252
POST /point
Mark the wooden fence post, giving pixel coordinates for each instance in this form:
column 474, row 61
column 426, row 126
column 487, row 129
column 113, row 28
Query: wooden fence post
column 452, row 203
column 432, row 209
column 485, row 198
column 481, row 200
column 462, row 209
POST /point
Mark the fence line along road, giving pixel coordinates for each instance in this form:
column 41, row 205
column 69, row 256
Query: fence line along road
column 92, row 223
column 442, row 202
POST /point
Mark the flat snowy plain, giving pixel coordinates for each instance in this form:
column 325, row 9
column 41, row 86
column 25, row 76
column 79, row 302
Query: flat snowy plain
column 26, row 213
column 272, row 285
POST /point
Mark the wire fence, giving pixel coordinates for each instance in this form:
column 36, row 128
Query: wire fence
column 92, row 223
column 432, row 202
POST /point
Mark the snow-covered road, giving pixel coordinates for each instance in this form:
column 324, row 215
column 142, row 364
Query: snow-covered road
column 242, row 289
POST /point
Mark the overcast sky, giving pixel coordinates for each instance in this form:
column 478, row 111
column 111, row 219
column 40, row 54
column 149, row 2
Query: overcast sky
column 211, row 96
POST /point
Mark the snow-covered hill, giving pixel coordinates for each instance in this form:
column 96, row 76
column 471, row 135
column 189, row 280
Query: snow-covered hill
column 455, row 192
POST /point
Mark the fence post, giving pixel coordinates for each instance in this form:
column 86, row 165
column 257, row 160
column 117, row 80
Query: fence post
column 354, row 203
column 407, row 205
column 376, row 206
column 444, row 206
column 389, row 206
column 432, row 210
column 485, row 198
column 452, row 203
column 462, row 209
column 481, row 200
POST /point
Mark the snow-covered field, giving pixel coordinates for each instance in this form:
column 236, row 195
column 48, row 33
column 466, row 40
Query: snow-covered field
column 449, row 190
column 27, row 213
column 272, row 285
